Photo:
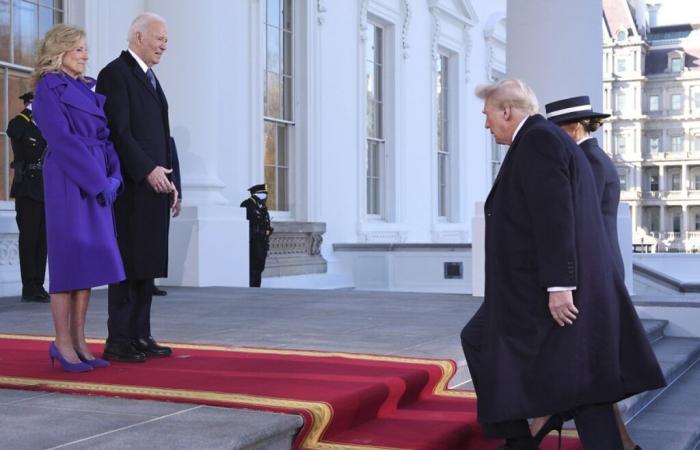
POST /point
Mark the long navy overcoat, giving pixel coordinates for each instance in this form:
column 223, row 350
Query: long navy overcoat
column 544, row 229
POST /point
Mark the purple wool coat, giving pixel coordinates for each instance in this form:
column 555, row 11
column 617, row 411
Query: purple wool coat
column 81, row 237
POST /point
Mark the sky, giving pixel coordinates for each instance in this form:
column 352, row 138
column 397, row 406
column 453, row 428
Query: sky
column 674, row 12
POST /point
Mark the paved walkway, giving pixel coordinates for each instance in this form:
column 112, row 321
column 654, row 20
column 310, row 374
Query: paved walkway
column 422, row 325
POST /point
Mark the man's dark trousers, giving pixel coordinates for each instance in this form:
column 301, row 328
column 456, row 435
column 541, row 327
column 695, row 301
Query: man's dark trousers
column 129, row 304
column 32, row 242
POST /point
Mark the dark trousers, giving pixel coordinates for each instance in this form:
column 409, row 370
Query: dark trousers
column 32, row 243
column 129, row 306
column 256, row 262
column 596, row 424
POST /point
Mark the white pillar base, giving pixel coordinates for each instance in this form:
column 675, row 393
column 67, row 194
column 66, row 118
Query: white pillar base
column 478, row 250
column 208, row 247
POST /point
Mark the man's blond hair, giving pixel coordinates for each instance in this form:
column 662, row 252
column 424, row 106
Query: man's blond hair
column 512, row 92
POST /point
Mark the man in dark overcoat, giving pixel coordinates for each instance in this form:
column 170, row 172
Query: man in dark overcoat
column 259, row 231
column 28, row 146
column 138, row 119
column 557, row 331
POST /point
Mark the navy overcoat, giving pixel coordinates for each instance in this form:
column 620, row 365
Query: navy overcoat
column 140, row 131
column 544, row 228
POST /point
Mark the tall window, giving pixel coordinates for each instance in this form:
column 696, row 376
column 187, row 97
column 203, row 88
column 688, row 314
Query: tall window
column 374, row 76
column 676, row 65
column 696, row 100
column 697, row 182
column 22, row 24
column 653, row 103
column 621, row 64
column 677, row 143
column 443, row 141
column 676, row 182
column 676, row 222
column 697, row 222
column 279, row 119
column 697, row 143
column 621, row 102
column 653, row 144
column 621, row 144
column 623, row 180
column 676, row 102
column 654, row 183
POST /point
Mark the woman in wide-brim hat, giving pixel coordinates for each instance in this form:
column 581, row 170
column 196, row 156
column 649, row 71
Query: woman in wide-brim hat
column 576, row 116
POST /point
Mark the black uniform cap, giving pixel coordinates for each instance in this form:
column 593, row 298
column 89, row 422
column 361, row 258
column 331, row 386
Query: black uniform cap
column 258, row 188
column 27, row 97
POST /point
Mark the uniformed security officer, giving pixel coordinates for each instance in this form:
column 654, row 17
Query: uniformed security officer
column 259, row 231
column 28, row 147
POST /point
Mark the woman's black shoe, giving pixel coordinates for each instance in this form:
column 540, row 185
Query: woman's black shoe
column 555, row 422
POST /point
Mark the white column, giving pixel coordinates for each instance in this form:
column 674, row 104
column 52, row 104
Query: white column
column 684, row 178
column 200, row 73
column 542, row 34
column 684, row 222
column 662, row 221
column 662, row 179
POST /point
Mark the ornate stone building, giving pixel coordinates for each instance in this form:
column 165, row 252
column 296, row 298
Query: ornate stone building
column 651, row 80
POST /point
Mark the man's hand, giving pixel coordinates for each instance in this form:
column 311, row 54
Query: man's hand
column 158, row 179
column 175, row 203
column 561, row 305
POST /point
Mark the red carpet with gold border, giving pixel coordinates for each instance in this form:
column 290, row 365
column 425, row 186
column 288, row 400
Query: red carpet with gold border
column 348, row 401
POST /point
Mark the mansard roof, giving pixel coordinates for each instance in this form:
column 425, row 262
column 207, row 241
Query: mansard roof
column 618, row 16
column 657, row 59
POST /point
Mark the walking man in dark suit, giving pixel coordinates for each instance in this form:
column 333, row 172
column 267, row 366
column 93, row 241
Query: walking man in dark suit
column 137, row 111
column 28, row 146
column 557, row 334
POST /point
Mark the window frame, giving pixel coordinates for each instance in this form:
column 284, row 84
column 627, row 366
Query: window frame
column 285, row 119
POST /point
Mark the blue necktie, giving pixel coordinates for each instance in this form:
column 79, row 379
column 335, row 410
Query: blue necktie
column 152, row 78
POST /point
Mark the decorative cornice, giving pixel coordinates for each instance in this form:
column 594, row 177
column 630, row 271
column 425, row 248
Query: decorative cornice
column 404, row 29
column 321, row 11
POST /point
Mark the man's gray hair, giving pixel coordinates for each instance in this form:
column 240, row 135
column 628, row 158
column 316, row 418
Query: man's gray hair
column 141, row 23
column 512, row 92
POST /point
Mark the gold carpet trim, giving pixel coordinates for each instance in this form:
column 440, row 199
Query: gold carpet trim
column 322, row 412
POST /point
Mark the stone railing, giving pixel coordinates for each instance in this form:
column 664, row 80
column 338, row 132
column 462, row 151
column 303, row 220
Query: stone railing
column 295, row 249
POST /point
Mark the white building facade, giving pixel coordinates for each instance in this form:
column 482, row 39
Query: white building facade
column 359, row 115
column 652, row 89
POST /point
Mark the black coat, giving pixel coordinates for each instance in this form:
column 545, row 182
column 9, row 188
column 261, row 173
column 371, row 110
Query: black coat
column 543, row 229
column 607, row 183
column 28, row 147
column 140, row 131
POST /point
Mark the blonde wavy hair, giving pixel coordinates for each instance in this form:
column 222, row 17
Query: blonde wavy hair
column 57, row 41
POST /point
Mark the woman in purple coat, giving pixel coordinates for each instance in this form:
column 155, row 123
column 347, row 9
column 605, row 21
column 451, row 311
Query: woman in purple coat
column 81, row 180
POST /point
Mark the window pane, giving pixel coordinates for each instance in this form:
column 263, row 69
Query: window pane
column 654, row 145
column 676, row 64
column 273, row 13
column 378, row 45
column 47, row 3
column 287, row 57
column 5, row 30
column 697, row 99
column 273, row 100
column 282, row 140
column 58, row 4
column 18, row 85
column 288, row 15
column 654, row 103
column 270, row 144
column 25, row 32
column 282, row 189
column 369, row 44
column 676, row 102
column 271, row 181
column 45, row 20
column 288, row 105
column 273, row 50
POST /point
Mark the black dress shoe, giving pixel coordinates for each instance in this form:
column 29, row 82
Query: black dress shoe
column 122, row 351
column 150, row 347
column 159, row 292
column 35, row 295
column 43, row 293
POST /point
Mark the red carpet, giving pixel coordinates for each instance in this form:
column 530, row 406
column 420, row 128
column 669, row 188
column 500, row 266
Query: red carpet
column 348, row 401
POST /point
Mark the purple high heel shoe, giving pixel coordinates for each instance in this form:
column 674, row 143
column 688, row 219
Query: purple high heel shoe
column 96, row 363
column 67, row 366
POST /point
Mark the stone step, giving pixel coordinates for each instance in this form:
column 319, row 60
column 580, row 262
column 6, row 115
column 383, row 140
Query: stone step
column 654, row 328
column 675, row 356
column 672, row 421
